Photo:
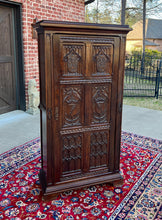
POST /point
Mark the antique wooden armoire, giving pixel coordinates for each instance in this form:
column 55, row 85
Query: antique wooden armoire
column 81, row 89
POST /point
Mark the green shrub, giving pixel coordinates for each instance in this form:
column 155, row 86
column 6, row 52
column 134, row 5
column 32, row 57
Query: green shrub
column 151, row 57
column 150, row 53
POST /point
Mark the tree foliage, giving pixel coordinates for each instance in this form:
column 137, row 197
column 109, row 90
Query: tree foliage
column 108, row 11
column 102, row 11
column 95, row 16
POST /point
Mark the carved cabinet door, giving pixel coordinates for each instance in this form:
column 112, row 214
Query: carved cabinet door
column 84, row 89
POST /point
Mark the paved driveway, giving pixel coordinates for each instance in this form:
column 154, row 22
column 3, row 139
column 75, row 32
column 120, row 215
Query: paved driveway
column 142, row 121
column 18, row 127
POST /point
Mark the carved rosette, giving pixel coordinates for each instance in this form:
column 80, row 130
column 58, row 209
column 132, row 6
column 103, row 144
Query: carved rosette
column 71, row 152
column 98, row 149
column 72, row 106
column 100, row 99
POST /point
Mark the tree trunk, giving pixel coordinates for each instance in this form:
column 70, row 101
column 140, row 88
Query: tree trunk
column 97, row 11
column 123, row 4
column 143, row 48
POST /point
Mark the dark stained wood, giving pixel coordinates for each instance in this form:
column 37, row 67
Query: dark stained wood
column 7, row 61
column 120, row 102
column 81, row 83
column 117, row 183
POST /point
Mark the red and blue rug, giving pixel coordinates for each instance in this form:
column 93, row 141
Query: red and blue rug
column 140, row 197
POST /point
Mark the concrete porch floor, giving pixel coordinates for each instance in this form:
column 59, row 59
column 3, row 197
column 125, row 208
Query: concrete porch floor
column 18, row 127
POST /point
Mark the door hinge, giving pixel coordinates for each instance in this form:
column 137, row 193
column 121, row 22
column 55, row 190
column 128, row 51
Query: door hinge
column 56, row 113
column 49, row 113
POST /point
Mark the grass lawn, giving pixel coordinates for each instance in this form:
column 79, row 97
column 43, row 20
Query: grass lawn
column 150, row 103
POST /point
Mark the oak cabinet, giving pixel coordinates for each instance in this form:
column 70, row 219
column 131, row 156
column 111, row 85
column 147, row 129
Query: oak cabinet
column 81, row 89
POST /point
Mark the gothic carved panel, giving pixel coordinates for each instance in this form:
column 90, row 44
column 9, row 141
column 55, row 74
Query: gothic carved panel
column 98, row 149
column 72, row 105
column 71, row 152
column 73, row 60
column 101, row 103
column 102, row 60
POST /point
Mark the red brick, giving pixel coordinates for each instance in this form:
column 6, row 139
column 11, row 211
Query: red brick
column 69, row 10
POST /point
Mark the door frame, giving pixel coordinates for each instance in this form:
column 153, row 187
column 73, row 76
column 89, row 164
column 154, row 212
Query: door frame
column 20, row 78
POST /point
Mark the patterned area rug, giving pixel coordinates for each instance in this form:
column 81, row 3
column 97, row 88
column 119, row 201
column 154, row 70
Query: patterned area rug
column 140, row 197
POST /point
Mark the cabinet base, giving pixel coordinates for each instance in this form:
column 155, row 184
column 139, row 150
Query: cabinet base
column 51, row 192
column 117, row 183
column 42, row 179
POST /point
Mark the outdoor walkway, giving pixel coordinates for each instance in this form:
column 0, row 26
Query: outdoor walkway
column 142, row 121
column 18, row 127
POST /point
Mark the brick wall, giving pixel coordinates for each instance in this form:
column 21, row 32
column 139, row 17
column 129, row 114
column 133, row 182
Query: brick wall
column 65, row 10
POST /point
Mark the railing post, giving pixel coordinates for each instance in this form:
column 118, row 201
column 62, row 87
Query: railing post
column 157, row 80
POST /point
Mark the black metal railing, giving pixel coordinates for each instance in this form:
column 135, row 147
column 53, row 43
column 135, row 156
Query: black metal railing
column 143, row 80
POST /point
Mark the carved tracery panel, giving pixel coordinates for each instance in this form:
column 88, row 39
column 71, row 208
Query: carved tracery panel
column 98, row 149
column 71, row 152
column 102, row 60
column 73, row 60
column 72, row 105
column 100, row 103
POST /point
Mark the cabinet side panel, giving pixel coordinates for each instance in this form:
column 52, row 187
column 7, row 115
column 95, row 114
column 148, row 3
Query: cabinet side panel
column 43, row 139
column 43, row 125
column 56, row 151
column 45, row 64
column 113, row 103
column 49, row 101
column 41, row 48
column 119, row 102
